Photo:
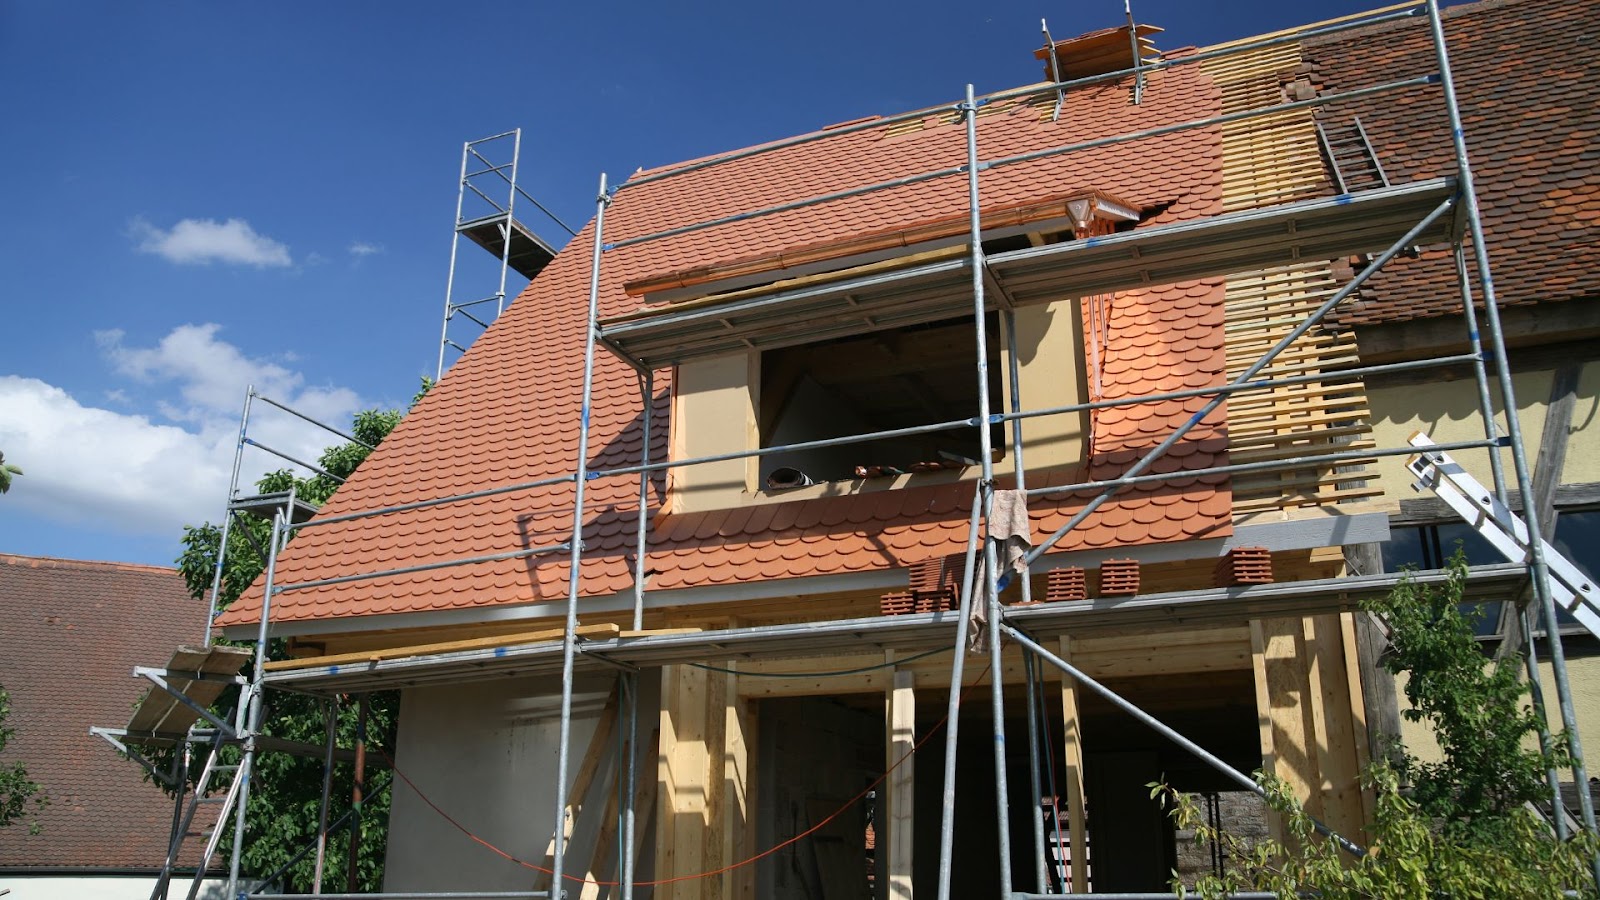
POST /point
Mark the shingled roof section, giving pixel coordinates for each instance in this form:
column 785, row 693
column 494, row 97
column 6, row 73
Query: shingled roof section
column 509, row 409
column 1529, row 90
column 73, row 633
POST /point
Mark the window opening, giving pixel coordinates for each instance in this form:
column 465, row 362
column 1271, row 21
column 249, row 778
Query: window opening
column 1577, row 538
column 1431, row 546
column 885, row 380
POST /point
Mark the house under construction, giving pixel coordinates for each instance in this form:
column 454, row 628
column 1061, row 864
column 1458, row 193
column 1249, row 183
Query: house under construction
column 876, row 512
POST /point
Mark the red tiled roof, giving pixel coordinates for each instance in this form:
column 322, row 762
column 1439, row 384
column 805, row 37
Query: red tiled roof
column 73, row 633
column 509, row 409
column 1530, row 102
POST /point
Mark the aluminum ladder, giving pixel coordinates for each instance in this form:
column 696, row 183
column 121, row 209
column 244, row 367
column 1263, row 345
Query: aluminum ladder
column 203, row 795
column 1571, row 589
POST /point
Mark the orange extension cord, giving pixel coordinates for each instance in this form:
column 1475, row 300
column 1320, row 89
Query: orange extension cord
column 725, row 869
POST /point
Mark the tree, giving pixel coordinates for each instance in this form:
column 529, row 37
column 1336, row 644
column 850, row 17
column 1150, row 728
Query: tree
column 16, row 789
column 1462, row 826
column 6, row 471
column 286, row 794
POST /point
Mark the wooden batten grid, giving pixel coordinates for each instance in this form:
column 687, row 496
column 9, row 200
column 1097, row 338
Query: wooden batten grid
column 1270, row 160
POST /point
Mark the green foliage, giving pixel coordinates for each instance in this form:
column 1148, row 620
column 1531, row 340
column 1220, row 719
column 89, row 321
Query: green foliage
column 1463, row 827
column 16, row 788
column 7, row 470
column 1411, row 857
column 1474, row 709
column 287, row 790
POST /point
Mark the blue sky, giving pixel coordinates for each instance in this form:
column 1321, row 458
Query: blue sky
column 197, row 197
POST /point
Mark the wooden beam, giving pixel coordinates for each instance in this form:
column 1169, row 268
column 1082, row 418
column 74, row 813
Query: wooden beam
column 1552, row 458
column 734, row 775
column 1338, row 774
column 713, row 834
column 599, row 630
column 1362, row 738
column 895, row 841
column 604, row 865
column 599, row 748
column 1375, row 686
column 681, row 801
column 1283, row 699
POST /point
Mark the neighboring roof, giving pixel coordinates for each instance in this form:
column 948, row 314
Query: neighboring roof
column 73, row 633
column 1529, row 89
column 509, row 409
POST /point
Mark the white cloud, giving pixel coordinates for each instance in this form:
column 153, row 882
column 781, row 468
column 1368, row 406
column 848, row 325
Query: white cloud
column 363, row 248
column 110, row 470
column 123, row 471
column 211, row 375
column 203, row 241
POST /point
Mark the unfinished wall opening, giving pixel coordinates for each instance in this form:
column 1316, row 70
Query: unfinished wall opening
column 899, row 378
column 1132, row 844
column 815, row 755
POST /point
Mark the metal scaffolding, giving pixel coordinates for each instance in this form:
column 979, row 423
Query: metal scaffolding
column 1383, row 222
column 486, row 215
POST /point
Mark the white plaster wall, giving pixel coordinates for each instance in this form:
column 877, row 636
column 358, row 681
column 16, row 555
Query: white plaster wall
column 91, row 887
column 486, row 754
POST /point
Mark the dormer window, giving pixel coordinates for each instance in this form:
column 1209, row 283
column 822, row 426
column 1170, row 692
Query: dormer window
column 865, row 334
column 876, row 382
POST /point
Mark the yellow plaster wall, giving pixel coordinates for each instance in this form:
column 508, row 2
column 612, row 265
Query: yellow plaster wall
column 714, row 406
column 1050, row 357
column 1583, row 442
column 1448, row 411
column 1583, row 673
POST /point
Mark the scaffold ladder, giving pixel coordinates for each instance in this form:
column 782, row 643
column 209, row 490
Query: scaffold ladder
column 1436, row 471
column 1350, row 155
column 211, row 776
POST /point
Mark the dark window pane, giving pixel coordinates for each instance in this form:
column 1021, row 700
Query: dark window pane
column 1404, row 548
column 1479, row 551
column 1578, row 539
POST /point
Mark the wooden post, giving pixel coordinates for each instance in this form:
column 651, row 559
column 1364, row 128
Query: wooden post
column 1072, row 754
column 599, row 749
column 733, row 774
column 1339, row 778
column 352, row 876
column 1380, row 703
column 681, row 828
column 1361, row 736
column 1312, row 728
column 703, row 759
column 895, row 813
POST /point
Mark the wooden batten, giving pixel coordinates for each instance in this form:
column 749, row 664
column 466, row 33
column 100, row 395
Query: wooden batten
column 1266, row 160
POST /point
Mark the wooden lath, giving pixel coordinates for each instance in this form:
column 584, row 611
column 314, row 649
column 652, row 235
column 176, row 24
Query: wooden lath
column 1267, row 160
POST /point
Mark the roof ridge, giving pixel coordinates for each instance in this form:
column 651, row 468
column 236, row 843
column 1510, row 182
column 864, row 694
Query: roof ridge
column 38, row 562
column 1446, row 13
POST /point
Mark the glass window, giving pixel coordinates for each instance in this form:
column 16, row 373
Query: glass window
column 1432, row 546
